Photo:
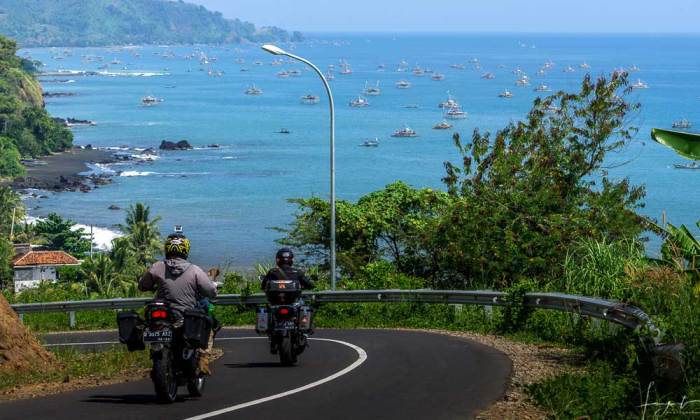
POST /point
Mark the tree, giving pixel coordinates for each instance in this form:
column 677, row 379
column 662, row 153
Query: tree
column 100, row 274
column 142, row 233
column 60, row 235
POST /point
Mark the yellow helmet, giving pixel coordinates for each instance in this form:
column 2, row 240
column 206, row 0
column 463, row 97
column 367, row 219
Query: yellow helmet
column 177, row 245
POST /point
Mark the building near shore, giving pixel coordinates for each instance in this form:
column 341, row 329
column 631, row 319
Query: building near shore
column 32, row 267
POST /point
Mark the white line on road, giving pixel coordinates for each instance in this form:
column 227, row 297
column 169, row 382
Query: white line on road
column 362, row 356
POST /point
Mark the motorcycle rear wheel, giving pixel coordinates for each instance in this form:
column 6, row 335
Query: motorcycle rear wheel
column 163, row 377
column 288, row 356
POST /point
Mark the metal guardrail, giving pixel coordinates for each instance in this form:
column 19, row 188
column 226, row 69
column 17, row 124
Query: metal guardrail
column 615, row 312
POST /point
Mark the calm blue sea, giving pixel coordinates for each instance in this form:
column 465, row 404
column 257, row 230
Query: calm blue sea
column 228, row 198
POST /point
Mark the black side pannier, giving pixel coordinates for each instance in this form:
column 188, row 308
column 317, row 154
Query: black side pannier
column 130, row 330
column 197, row 328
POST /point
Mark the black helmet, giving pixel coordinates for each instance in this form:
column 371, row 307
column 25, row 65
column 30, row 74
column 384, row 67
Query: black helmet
column 284, row 256
column 177, row 245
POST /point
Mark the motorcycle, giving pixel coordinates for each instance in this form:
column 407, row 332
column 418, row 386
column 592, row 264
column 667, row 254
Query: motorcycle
column 173, row 341
column 286, row 320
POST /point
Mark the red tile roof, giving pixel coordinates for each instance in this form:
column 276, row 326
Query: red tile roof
column 44, row 258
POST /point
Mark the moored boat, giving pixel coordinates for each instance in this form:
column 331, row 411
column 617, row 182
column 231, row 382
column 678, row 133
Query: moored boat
column 405, row 132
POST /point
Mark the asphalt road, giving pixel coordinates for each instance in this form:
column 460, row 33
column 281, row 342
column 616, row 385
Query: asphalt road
column 365, row 374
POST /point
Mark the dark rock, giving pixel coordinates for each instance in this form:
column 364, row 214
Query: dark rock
column 88, row 147
column 114, row 207
column 214, row 146
column 149, row 151
column 169, row 145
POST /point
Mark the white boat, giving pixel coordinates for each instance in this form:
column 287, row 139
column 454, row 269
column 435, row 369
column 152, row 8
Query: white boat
column 437, row 77
column 372, row 90
column 684, row 124
column 345, row 68
column 330, row 75
column 371, row 143
column 585, row 66
column 405, row 132
column 282, row 74
column 294, row 73
column 444, row 125
column 505, row 94
column 150, row 100
column 457, row 66
column 634, row 68
column 542, row 88
column 541, row 72
column 488, row 76
column 402, row 67
column 640, row 85
column 359, row 102
column 253, row 90
column 523, row 81
column 449, row 103
column 456, row 114
column 569, row 69
column 693, row 165
column 309, row 99
column 517, row 71
column 403, row 84
column 418, row 71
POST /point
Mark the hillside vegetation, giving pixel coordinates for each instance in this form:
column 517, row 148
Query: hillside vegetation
column 26, row 129
column 37, row 23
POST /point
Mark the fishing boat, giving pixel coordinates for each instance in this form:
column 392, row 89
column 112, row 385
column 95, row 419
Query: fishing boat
column 634, row 69
column 253, row 90
column 403, row 84
column 505, row 94
column 569, row 69
column 488, row 76
column 418, row 71
column 542, row 88
column 372, row 90
column 410, row 106
column 449, row 103
column 640, row 85
column 345, row 68
column 309, row 99
column 685, row 144
column 585, row 66
column 444, row 125
column 282, row 74
column 456, row 114
column 692, row 165
column 437, row 77
column 283, row 131
column 405, row 132
column 457, row 66
column 330, row 75
column 359, row 102
column 402, row 67
column 294, row 73
column 683, row 124
column 523, row 81
column 371, row 143
column 150, row 100
column 541, row 72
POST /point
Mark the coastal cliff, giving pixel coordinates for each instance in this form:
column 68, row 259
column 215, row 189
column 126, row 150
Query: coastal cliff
column 26, row 129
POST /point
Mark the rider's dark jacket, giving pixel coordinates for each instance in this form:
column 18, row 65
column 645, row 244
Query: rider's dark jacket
column 287, row 272
column 178, row 282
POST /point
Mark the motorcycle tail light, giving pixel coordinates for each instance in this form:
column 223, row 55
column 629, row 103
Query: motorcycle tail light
column 160, row 314
column 283, row 311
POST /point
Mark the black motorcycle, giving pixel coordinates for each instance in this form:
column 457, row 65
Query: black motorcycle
column 286, row 320
column 173, row 339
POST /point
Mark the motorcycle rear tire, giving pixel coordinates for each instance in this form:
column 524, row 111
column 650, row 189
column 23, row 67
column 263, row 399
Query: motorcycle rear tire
column 195, row 386
column 163, row 377
column 286, row 349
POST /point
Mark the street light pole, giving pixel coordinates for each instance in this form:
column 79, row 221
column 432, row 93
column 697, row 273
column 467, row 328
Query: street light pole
column 272, row 49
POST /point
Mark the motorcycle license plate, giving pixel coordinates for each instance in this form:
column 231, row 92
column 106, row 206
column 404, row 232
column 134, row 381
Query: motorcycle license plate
column 285, row 325
column 162, row 336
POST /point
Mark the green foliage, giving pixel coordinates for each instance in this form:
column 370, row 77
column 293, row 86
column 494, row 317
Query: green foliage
column 6, row 272
column 38, row 23
column 26, row 129
column 602, row 393
column 142, row 234
column 514, row 316
column 58, row 234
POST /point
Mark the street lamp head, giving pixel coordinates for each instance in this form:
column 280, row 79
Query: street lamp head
column 273, row 49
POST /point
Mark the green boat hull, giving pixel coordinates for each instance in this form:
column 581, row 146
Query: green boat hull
column 685, row 144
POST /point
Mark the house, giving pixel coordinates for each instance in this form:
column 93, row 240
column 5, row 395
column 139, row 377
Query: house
column 32, row 267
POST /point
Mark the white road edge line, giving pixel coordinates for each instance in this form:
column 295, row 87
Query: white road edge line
column 362, row 356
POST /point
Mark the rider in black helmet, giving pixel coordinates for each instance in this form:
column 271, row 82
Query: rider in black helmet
column 286, row 271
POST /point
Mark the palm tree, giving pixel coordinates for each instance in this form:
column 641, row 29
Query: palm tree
column 9, row 203
column 143, row 235
column 100, row 274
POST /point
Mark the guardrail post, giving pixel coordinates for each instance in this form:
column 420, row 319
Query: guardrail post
column 488, row 310
column 71, row 319
column 21, row 318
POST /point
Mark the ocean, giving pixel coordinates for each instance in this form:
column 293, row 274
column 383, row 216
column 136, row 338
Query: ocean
column 228, row 198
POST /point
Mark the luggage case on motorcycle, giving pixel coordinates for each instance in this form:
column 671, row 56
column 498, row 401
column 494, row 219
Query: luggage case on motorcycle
column 281, row 292
column 130, row 331
column 197, row 328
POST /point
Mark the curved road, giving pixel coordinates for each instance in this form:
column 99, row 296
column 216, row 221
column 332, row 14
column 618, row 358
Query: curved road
column 345, row 374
